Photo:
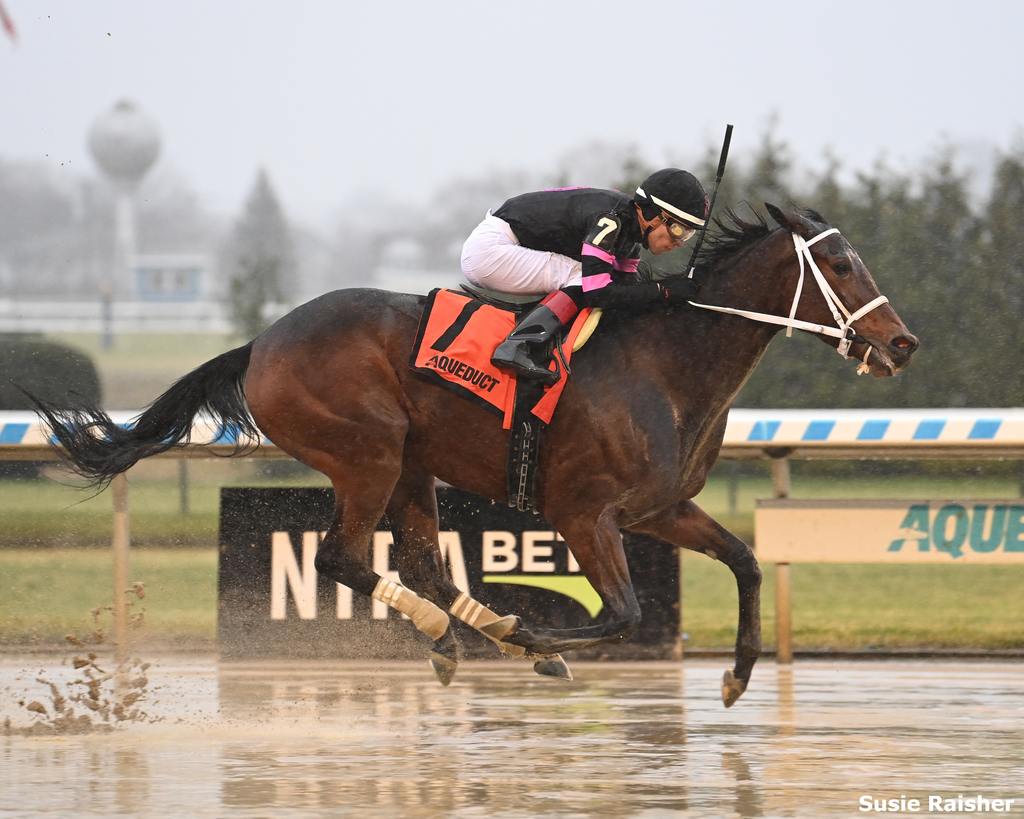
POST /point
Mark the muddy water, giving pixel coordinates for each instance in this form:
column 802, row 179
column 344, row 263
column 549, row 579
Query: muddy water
column 644, row 739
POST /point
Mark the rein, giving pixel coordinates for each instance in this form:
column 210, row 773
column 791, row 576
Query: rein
column 844, row 318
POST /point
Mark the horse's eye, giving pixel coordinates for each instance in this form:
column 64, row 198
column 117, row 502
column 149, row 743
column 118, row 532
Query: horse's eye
column 842, row 268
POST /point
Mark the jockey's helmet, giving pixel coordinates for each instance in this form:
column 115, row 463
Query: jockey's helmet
column 674, row 193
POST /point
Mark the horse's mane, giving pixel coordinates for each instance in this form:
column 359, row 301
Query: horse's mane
column 736, row 234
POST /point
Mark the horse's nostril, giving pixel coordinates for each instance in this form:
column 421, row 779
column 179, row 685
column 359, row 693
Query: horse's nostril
column 904, row 344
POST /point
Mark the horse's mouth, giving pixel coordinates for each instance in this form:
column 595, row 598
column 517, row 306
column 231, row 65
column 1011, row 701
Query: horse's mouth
column 881, row 365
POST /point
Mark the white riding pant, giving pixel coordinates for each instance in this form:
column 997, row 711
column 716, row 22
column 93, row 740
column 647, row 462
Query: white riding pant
column 493, row 258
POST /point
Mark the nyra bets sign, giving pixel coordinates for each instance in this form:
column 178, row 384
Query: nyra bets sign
column 272, row 600
column 950, row 532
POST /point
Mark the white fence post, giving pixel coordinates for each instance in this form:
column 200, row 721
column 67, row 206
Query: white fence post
column 120, row 546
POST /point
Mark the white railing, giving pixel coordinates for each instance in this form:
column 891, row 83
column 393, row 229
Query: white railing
column 122, row 317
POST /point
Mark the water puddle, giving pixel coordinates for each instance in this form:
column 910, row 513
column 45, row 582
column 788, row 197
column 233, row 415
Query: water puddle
column 316, row 738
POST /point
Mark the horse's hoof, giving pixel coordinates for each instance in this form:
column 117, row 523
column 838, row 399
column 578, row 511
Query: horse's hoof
column 500, row 629
column 553, row 666
column 445, row 656
column 732, row 688
column 444, row 667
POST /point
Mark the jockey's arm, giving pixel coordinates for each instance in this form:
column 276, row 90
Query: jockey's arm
column 600, row 268
column 618, row 295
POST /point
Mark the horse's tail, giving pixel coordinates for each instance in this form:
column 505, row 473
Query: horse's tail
column 98, row 449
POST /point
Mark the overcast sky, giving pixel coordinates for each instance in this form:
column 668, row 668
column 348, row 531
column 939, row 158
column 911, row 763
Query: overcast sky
column 340, row 99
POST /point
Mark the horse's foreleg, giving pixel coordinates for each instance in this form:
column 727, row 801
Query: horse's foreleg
column 598, row 550
column 689, row 527
column 496, row 628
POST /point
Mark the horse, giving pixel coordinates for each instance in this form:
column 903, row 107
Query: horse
column 638, row 428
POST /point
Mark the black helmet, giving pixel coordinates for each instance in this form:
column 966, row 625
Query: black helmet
column 676, row 193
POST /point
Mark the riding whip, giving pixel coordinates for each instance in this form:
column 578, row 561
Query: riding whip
column 714, row 192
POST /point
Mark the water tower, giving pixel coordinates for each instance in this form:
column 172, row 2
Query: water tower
column 125, row 143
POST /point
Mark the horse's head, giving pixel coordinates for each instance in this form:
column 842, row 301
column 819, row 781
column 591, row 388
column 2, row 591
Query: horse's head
column 832, row 287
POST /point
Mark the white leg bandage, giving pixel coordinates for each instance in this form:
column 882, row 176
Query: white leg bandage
column 477, row 615
column 471, row 612
column 427, row 617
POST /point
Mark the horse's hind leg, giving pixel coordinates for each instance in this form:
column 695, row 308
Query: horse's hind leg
column 690, row 527
column 412, row 512
column 343, row 554
column 353, row 428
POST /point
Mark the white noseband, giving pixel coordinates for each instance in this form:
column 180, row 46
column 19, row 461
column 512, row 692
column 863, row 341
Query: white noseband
column 844, row 318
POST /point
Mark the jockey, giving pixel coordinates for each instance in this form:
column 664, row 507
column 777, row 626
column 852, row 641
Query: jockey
column 581, row 247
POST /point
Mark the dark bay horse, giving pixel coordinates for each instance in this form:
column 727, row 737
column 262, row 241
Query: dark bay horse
column 638, row 429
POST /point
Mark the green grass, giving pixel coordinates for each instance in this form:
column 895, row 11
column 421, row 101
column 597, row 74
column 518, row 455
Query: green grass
column 49, row 593
column 138, row 367
column 847, row 606
column 136, row 351
column 47, row 513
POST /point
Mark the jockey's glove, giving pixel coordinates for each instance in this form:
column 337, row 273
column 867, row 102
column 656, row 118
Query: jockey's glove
column 678, row 289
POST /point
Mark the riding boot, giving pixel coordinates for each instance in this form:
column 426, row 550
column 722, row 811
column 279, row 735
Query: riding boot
column 535, row 330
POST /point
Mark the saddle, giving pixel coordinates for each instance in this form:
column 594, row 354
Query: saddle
column 516, row 302
column 457, row 335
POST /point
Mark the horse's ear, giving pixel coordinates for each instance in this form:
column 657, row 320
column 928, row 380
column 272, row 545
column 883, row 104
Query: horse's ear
column 786, row 220
column 792, row 220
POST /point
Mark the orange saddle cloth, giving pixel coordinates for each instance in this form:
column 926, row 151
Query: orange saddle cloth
column 456, row 338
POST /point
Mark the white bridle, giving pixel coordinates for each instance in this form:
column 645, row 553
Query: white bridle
column 844, row 318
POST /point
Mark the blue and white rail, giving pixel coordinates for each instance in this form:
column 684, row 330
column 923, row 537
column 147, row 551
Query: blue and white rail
column 903, row 432
column 750, row 433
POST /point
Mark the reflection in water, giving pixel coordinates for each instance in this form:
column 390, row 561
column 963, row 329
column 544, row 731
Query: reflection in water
column 326, row 738
column 131, row 780
column 748, row 794
column 784, row 696
column 495, row 737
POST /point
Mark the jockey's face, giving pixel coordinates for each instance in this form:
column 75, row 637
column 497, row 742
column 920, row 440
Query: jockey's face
column 659, row 237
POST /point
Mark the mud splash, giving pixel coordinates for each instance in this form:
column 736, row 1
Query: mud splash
column 95, row 699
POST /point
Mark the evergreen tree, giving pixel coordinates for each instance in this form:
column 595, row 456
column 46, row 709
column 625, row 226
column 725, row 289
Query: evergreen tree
column 768, row 178
column 881, row 221
column 828, row 197
column 729, row 192
column 261, row 259
column 939, row 248
column 998, row 287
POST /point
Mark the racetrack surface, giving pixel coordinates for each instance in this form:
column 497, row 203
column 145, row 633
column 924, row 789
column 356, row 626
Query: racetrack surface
column 652, row 739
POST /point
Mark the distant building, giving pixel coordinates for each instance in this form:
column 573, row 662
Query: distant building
column 172, row 277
